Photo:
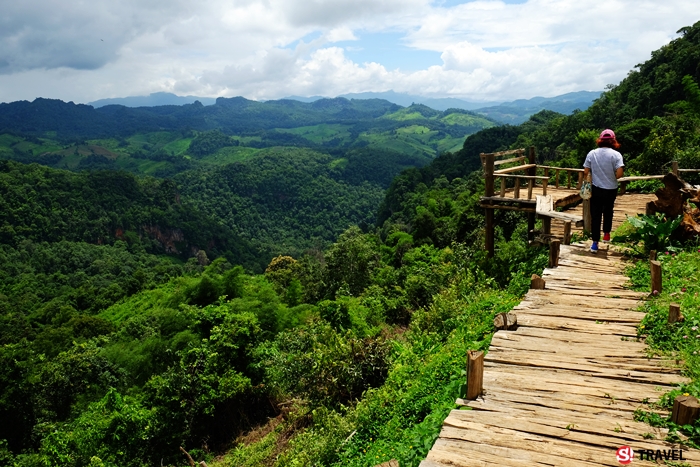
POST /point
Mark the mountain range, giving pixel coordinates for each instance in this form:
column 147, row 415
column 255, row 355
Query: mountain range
column 513, row 112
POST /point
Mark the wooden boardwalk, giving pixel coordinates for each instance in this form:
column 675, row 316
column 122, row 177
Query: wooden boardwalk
column 561, row 389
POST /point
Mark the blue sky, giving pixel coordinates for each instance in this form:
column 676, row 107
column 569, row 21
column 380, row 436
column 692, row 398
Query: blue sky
column 485, row 50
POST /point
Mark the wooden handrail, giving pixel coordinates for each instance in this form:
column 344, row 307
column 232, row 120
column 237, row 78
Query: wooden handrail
column 640, row 177
column 514, row 169
column 559, row 168
column 526, row 177
column 508, row 161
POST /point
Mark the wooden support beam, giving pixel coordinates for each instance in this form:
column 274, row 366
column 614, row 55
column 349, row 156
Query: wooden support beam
column 506, row 207
column 516, row 190
column 544, row 187
column 531, row 156
column 554, row 247
column 490, row 244
column 656, row 281
column 587, row 218
column 525, row 202
column 505, row 321
column 546, row 225
column 530, row 226
column 556, row 175
column 530, row 185
column 488, row 174
column 674, row 313
column 475, row 374
column 623, row 188
column 674, row 168
column 686, row 410
column 580, row 181
column 537, row 283
column 567, row 233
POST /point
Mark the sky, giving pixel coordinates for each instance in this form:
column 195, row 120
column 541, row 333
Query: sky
column 482, row 50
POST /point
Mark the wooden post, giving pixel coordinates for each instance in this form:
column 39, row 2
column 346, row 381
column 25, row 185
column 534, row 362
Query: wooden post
column 656, row 283
column 475, row 374
column 674, row 313
column 686, row 409
column 567, row 233
column 554, row 253
column 531, row 159
column 488, row 174
column 623, row 188
column 568, row 179
column 537, row 283
column 505, row 321
column 530, row 185
column 544, row 187
column 530, row 226
column 587, row 218
column 546, row 225
column 580, row 181
column 490, row 245
column 556, row 182
column 652, row 255
column 674, row 168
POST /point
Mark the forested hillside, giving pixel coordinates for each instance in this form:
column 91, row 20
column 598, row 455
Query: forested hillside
column 347, row 354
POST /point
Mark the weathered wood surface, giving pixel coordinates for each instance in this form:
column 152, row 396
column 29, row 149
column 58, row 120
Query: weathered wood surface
column 629, row 204
column 562, row 388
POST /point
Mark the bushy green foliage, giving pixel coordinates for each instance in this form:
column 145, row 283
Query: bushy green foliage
column 283, row 200
column 681, row 340
column 655, row 232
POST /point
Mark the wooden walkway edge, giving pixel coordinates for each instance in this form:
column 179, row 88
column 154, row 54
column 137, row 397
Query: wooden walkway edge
column 562, row 388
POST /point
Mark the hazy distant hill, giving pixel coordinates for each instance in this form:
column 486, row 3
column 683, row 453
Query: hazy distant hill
column 153, row 100
column 407, row 100
column 520, row 110
column 514, row 113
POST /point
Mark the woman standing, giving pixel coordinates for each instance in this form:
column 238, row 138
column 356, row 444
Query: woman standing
column 605, row 166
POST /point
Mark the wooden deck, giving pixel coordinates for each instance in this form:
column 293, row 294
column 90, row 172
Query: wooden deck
column 561, row 389
column 629, row 204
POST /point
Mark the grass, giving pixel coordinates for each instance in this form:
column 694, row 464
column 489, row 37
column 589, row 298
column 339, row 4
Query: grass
column 681, row 340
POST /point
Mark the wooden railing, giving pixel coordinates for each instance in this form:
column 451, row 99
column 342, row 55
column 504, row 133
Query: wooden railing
column 623, row 181
column 528, row 174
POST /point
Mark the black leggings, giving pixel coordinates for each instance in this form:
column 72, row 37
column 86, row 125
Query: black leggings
column 602, row 202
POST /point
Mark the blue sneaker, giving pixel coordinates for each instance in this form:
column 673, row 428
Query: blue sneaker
column 594, row 247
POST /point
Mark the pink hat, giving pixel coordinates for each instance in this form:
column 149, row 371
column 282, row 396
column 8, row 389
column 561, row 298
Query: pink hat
column 607, row 134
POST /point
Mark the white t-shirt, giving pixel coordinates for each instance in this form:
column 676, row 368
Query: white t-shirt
column 603, row 163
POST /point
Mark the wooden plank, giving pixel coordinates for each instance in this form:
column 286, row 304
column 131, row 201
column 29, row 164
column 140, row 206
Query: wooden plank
column 522, row 177
column 566, row 383
column 511, row 200
column 640, row 177
column 509, row 161
column 515, row 169
column 549, row 424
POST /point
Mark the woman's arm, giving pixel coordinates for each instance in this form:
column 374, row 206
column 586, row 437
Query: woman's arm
column 619, row 172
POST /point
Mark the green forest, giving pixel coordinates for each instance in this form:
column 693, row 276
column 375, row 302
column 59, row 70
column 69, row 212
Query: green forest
column 280, row 284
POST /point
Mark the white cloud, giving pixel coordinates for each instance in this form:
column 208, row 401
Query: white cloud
column 273, row 48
